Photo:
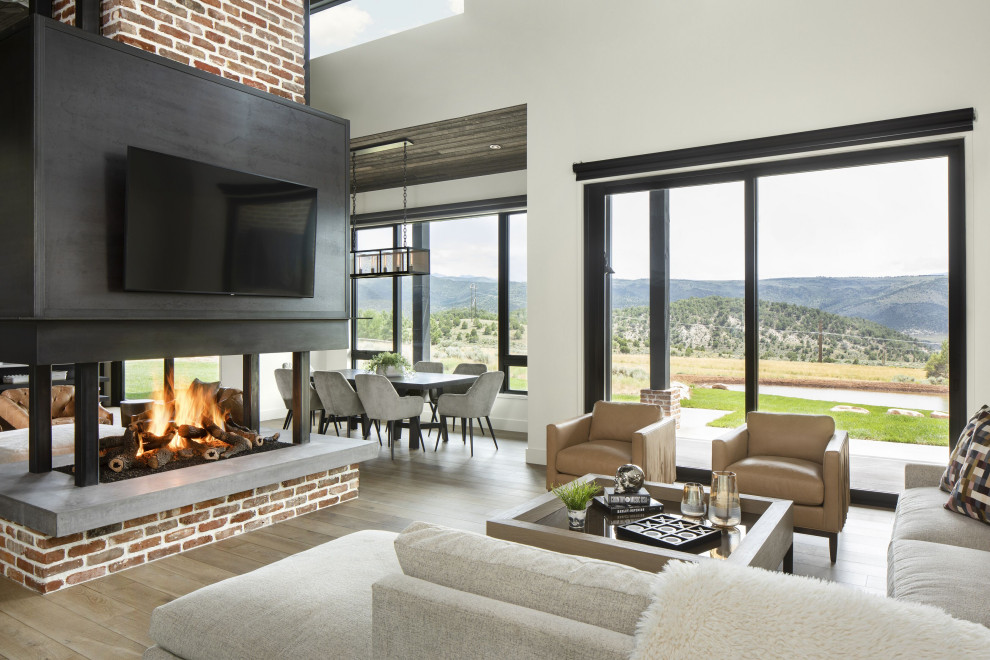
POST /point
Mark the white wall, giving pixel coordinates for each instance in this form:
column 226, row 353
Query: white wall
column 604, row 80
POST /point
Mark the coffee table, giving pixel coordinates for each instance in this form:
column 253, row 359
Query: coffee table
column 764, row 539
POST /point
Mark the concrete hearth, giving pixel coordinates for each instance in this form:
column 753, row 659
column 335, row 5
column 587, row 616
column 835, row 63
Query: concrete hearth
column 51, row 504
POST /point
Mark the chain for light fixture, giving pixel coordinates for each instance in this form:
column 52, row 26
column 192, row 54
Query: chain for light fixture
column 353, row 202
column 404, row 193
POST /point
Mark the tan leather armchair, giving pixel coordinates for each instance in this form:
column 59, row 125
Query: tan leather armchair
column 612, row 435
column 14, row 407
column 794, row 457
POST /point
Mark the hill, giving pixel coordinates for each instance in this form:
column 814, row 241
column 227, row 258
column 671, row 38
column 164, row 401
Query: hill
column 714, row 325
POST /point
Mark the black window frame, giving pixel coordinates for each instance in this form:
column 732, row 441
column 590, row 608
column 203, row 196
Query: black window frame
column 419, row 221
column 596, row 315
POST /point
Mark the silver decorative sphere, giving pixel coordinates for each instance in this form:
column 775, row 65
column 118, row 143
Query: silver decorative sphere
column 629, row 479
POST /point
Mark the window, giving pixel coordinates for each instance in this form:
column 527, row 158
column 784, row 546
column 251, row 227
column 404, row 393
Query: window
column 336, row 25
column 143, row 379
column 472, row 306
column 810, row 285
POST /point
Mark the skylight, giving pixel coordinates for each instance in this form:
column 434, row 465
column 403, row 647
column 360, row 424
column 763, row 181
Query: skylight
column 360, row 21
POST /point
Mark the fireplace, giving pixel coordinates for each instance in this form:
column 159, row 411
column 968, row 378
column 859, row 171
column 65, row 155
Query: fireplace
column 73, row 105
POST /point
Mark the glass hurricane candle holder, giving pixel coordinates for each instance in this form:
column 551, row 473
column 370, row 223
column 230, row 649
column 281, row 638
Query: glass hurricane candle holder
column 693, row 500
column 724, row 509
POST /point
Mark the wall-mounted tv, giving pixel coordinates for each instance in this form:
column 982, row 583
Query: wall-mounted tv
column 196, row 228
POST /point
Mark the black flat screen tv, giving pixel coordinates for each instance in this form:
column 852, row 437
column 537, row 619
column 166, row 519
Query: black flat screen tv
column 191, row 227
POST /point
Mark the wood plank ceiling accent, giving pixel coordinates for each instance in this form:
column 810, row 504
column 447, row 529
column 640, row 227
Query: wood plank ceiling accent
column 445, row 150
column 12, row 12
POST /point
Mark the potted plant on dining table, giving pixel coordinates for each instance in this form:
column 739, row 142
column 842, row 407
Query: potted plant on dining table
column 388, row 364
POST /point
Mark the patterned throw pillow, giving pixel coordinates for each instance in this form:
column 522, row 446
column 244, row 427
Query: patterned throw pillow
column 971, row 494
column 958, row 458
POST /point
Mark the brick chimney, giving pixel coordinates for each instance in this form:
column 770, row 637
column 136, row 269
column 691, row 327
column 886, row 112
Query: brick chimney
column 260, row 43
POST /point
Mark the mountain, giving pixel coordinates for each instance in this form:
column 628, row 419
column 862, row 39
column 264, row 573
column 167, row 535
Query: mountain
column 917, row 305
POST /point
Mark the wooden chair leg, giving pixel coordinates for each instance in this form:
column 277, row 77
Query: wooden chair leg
column 471, row 426
column 336, row 426
column 463, row 431
column 833, row 546
column 481, row 427
column 492, row 431
column 288, row 420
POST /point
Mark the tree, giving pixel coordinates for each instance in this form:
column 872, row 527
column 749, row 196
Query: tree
column 938, row 363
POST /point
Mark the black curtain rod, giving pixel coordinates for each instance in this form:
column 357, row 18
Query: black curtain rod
column 936, row 123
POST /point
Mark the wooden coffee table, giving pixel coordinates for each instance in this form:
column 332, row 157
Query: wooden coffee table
column 764, row 539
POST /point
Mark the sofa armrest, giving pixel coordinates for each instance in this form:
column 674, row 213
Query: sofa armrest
column 413, row 618
column 835, row 474
column 921, row 475
column 14, row 415
column 730, row 447
column 655, row 448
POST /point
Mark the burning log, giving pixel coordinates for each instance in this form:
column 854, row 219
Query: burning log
column 122, row 462
column 238, row 443
column 188, row 431
column 160, row 458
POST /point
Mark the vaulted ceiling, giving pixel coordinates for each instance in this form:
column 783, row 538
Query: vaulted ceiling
column 445, row 150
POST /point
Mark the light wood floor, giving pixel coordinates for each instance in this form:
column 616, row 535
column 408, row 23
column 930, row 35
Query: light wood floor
column 108, row 618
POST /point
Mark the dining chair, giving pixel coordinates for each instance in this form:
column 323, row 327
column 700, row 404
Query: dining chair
column 476, row 403
column 381, row 402
column 471, row 369
column 340, row 401
column 283, row 380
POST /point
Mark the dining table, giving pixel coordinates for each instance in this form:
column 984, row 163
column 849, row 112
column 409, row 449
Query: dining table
column 416, row 381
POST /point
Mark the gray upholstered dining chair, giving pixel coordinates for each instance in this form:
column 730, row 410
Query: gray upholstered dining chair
column 283, row 380
column 382, row 403
column 476, row 403
column 470, row 369
column 340, row 401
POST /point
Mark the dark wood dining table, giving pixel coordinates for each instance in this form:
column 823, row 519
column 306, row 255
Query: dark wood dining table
column 417, row 381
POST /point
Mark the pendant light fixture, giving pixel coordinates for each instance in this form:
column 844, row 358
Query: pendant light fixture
column 386, row 262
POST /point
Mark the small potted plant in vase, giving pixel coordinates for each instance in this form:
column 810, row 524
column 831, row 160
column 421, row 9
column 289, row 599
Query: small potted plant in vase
column 576, row 496
column 388, row 364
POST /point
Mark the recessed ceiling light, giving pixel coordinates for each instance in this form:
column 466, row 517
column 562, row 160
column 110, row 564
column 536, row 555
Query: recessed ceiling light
column 494, row 147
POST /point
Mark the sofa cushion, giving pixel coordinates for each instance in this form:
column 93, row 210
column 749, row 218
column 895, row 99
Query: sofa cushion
column 315, row 604
column 598, row 456
column 612, row 420
column 970, row 495
column 958, row 457
column 788, row 434
column 946, row 576
column 921, row 516
column 722, row 610
column 597, row 592
column 781, row 477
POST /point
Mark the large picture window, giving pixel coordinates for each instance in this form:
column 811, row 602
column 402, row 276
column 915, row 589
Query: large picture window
column 821, row 285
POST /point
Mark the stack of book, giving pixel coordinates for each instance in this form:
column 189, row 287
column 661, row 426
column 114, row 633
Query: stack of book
column 627, row 505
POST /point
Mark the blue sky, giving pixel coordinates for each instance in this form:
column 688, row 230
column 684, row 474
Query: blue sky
column 360, row 21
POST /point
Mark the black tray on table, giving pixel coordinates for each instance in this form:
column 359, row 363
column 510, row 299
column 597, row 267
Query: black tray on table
column 669, row 531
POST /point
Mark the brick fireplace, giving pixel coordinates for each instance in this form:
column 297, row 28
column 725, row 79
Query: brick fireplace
column 75, row 102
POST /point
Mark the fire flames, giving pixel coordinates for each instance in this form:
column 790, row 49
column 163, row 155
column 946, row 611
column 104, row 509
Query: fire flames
column 181, row 425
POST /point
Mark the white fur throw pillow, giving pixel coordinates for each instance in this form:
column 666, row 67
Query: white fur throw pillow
column 720, row 610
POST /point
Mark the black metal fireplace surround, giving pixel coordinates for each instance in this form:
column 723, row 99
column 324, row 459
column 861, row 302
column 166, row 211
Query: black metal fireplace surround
column 72, row 104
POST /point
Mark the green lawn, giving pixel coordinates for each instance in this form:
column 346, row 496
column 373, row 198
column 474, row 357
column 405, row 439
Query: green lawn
column 144, row 377
column 876, row 426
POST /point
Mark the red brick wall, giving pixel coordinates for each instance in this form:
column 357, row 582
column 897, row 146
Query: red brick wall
column 46, row 563
column 256, row 42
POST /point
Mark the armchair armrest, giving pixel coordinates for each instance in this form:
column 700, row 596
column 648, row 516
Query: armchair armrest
column 730, row 447
column 835, row 474
column 655, row 448
column 413, row 618
column 561, row 436
column 920, row 475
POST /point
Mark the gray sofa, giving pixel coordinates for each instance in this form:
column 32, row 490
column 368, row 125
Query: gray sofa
column 935, row 556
